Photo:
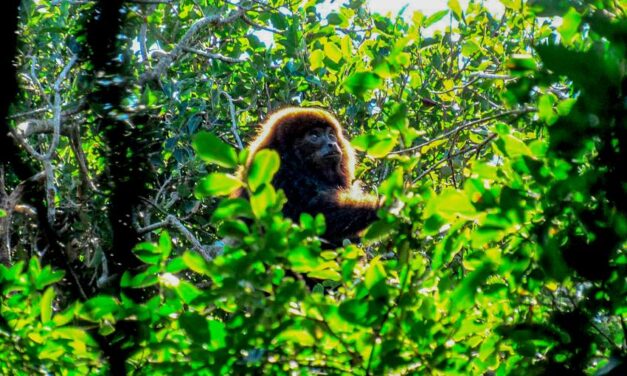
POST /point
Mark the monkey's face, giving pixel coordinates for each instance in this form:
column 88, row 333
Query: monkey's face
column 319, row 147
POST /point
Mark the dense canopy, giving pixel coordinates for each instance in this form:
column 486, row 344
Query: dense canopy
column 494, row 140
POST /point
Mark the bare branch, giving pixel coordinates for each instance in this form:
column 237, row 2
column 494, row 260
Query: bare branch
column 210, row 55
column 9, row 203
column 70, row 109
column 31, row 127
column 143, row 50
column 57, row 106
column 233, row 119
column 167, row 60
column 207, row 252
column 261, row 27
column 33, row 76
column 492, row 76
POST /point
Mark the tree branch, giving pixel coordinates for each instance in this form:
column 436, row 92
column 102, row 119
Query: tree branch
column 466, row 125
column 210, row 55
column 167, row 60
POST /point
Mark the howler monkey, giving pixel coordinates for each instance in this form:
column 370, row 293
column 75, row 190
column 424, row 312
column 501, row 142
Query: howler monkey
column 317, row 170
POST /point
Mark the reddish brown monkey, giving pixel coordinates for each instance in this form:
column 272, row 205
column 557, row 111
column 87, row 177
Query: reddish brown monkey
column 317, row 170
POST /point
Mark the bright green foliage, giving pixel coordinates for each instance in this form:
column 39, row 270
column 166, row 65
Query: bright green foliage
column 211, row 149
column 496, row 142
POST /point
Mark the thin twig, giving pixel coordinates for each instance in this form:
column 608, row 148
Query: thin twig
column 464, row 126
column 233, row 119
column 211, row 55
column 461, row 152
column 171, row 221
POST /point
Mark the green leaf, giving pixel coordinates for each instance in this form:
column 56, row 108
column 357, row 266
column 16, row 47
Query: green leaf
column 570, row 25
column 141, row 280
column 302, row 259
column 231, row 208
column 262, row 170
column 302, row 337
column 333, row 52
column 456, row 8
column 45, row 304
column 545, row 108
column 165, row 245
column 360, row 82
column 435, row 17
column 469, row 47
column 417, row 18
column 375, row 273
column 336, row 18
column 377, row 145
column 519, row 62
column 74, row 334
column 234, row 228
column 512, row 146
column 148, row 253
column 565, row 106
column 100, row 306
column 213, row 150
column 66, row 316
column 149, row 97
column 186, row 291
column 451, row 204
column 263, row 199
column 196, row 262
column 512, row 4
column 326, row 274
column 464, row 294
column 47, row 276
column 278, row 20
column 379, row 230
column 195, row 326
column 316, row 59
column 374, row 279
column 356, row 311
column 218, row 184
column 218, row 333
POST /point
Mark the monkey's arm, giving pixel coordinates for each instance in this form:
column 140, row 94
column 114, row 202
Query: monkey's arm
column 345, row 215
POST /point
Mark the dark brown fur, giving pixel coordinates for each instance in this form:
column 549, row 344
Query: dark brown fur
column 309, row 186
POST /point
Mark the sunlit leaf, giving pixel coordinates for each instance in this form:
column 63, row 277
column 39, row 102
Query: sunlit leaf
column 451, row 204
column 456, row 8
column 262, row 199
column 211, row 149
column 435, row 17
column 218, row 184
column 45, row 304
column 570, row 25
column 218, row 334
column 360, row 82
column 300, row 336
column 262, row 170
column 333, row 52
column 196, row 262
column 376, row 145
column 316, row 59
column 148, row 252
